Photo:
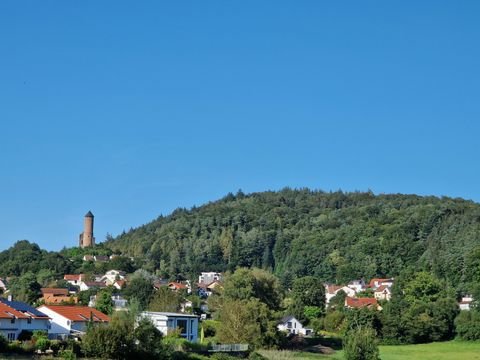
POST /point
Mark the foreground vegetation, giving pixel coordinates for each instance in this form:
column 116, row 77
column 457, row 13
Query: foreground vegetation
column 450, row 350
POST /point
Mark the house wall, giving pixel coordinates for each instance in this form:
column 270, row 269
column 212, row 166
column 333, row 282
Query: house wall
column 11, row 331
column 58, row 324
column 292, row 326
column 166, row 323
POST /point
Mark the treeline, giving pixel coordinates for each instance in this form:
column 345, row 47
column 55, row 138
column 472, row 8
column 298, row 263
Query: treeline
column 333, row 236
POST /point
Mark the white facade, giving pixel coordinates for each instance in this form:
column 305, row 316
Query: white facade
column 3, row 285
column 466, row 303
column 165, row 322
column 332, row 290
column 113, row 275
column 63, row 325
column 383, row 293
column 292, row 326
column 209, row 277
column 10, row 329
column 357, row 285
column 16, row 316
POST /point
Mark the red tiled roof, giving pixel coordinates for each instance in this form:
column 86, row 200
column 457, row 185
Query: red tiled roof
column 78, row 313
column 177, row 285
column 73, row 277
column 54, row 291
column 360, row 302
column 120, row 283
column 7, row 312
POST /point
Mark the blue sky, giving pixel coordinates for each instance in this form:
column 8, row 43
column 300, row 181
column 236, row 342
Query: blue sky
column 133, row 109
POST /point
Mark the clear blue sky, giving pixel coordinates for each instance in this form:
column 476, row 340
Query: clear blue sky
column 131, row 109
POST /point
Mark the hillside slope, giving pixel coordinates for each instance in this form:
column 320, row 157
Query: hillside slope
column 335, row 236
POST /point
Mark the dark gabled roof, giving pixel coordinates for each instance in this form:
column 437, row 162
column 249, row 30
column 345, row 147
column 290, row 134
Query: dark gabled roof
column 288, row 318
column 23, row 308
column 89, row 214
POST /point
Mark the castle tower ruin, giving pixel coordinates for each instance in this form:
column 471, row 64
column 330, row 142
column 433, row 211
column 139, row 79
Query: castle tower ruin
column 86, row 237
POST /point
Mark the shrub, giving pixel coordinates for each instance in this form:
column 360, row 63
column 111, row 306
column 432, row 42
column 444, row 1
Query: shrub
column 361, row 344
column 42, row 344
column 3, row 343
column 67, row 355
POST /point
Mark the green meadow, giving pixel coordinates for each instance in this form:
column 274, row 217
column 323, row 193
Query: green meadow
column 449, row 350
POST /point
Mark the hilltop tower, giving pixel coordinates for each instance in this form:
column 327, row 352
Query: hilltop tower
column 86, row 237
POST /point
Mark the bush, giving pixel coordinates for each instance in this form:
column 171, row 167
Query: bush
column 42, row 344
column 67, row 355
column 3, row 343
column 25, row 335
column 360, row 344
column 333, row 321
column 467, row 325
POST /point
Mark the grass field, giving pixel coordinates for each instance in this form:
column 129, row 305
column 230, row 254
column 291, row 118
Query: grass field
column 450, row 350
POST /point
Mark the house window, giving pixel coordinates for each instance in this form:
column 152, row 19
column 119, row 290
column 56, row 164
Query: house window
column 11, row 336
column 12, row 320
column 289, row 325
column 29, row 320
column 182, row 325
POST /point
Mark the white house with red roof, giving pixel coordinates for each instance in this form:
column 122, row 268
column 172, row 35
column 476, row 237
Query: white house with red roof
column 113, row 275
column 17, row 316
column 383, row 292
column 74, row 279
column 377, row 282
column 72, row 320
column 357, row 303
column 332, row 290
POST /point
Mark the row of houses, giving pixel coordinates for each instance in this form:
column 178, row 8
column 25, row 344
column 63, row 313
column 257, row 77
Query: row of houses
column 62, row 321
column 381, row 289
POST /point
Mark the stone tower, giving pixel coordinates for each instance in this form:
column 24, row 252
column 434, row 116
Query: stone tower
column 86, row 237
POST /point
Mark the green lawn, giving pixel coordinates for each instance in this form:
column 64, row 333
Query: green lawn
column 450, row 350
column 435, row 351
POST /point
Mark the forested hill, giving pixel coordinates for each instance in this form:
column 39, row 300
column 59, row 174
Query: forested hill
column 335, row 236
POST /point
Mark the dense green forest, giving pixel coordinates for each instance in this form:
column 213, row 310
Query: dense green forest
column 335, row 236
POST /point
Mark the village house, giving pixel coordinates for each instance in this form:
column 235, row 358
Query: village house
column 71, row 320
column 118, row 301
column 176, row 286
column 209, row 277
column 119, row 284
column 113, row 275
column 3, row 285
column 292, row 326
column 17, row 316
column 74, row 280
column 357, row 285
column 383, row 292
column 88, row 258
column 376, row 283
column 357, row 303
column 332, row 290
column 51, row 296
column 186, row 306
column 165, row 322
column 101, row 258
column 86, row 285
column 158, row 283
column 466, row 303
